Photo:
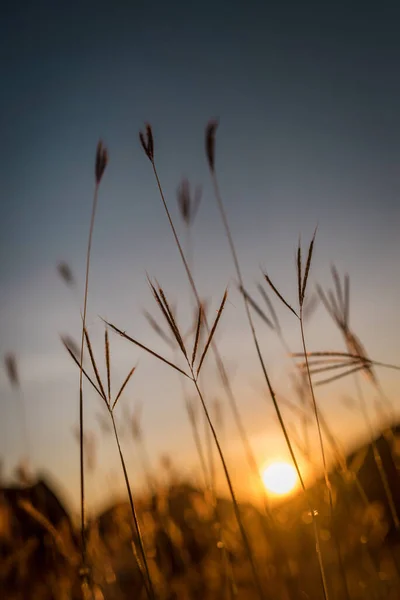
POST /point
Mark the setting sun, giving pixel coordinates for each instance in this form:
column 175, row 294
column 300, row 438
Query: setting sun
column 280, row 478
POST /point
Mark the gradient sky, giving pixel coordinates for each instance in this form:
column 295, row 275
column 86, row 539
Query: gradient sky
column 308, row 97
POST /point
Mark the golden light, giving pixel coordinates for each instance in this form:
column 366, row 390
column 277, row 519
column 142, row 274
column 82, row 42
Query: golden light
column 280, row 478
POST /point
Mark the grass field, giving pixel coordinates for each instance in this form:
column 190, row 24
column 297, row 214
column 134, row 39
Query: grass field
column 336, row 537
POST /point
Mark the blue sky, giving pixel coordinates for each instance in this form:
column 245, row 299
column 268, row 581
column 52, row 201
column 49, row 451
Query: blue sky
column 307, row 97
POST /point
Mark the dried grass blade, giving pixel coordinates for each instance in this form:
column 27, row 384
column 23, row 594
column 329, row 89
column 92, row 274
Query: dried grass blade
column 121, row 389
column 270, row 306
column 327, row 362
column 281, row 298
column 72, row 345
column 165, row 309
column 93, row 361
column 341, row 365
column 346, row 299
column 355, row 346
column 173, row 322
column 356, row 356
column 197, row 336
column 299, row 273
column 257, row 309
column 76, row 361
column 162, row 307
column 107, row 353
column 308, row 266
column 130, row 339
column 336, row 377
column 213, row 328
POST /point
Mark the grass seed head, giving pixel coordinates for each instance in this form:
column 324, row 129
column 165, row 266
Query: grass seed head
column 188, row 204
column 210, row 143
column 65, row 272
column 147, row 141
column 101, row 161
column 12, row 369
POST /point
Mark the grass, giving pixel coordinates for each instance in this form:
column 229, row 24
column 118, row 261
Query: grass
column 245, row 557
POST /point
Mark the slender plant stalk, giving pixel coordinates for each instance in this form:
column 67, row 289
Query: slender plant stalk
column 326, row 474
column 324, row 425
column 231, row 490
column 185, row 200
column 81, row 430
column 100, row 166
column 220, row 364
column 149, row 150
column 210, row 153
column 163, row 305
column 143, row 564
column 110, row 406
column 217, row 517
column 275, row 326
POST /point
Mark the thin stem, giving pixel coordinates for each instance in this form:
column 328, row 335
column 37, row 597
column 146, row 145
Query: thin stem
column 302, row 399
column 179, row 245
column 224, row 376
column 199, row 448
column 81, row 455
column 266, row 376
column 220, row 365
column 326, row 475
column 231, row 490
column 314, row 403
column 146, row 578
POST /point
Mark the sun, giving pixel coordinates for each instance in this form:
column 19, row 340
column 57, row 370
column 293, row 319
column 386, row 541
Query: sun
column 280, row 478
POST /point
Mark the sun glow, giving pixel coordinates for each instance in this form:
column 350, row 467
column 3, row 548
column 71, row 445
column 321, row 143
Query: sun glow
column 280, row 478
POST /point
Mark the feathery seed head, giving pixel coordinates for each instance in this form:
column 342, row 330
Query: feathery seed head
column 210, row 142
column 101, row 161
column 147, row 141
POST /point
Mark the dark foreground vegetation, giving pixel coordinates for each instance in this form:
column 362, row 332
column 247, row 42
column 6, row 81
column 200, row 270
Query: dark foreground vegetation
column 40, row 547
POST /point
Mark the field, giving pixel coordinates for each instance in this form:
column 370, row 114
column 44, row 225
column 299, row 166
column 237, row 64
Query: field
column 335, row 537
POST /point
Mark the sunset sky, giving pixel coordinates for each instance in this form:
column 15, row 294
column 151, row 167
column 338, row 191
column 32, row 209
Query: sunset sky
column 308, row 98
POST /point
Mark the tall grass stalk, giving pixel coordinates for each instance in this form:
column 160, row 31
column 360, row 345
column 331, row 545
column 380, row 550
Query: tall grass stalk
column 210, row 152
column 105, row 394
column 193, row 377
column 302, row 285
column 273, row 323
column 148, row 146
column 143, row 564
column 100, row 166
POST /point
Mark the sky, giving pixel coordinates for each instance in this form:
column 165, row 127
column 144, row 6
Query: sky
column 307, row 98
